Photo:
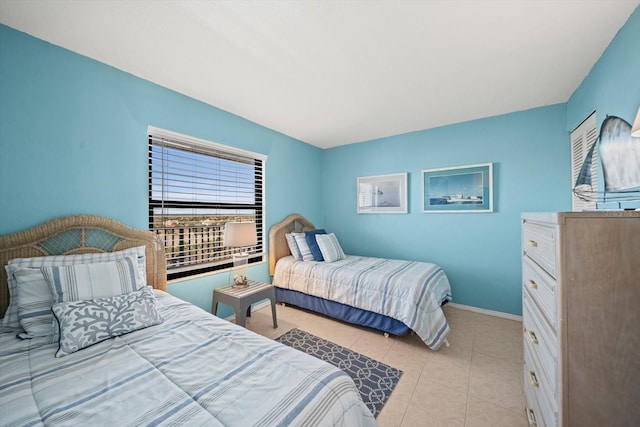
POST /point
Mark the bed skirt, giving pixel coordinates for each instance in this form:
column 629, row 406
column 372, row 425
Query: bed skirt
column 342, row 312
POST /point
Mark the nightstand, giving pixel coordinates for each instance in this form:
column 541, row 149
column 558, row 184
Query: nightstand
column 242, row 298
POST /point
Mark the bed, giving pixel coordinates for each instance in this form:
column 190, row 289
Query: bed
column 393, row 296
column 177, row 365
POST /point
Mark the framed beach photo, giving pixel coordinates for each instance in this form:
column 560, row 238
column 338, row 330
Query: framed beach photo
column 459, row 189
column 382, row 194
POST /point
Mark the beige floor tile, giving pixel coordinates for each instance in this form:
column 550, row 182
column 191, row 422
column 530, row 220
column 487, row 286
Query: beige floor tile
column 501, row 342
column 436, row 405
column 391, row 415
column 406, row 357
column 372, row 344
column 461, row 336
column 496, row 381
column 393, row 411
column 493, row 367
column 485, row 414
column 453, row 374
column 476, row 381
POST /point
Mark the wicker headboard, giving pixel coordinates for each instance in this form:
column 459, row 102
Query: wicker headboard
column 81, row 234
column 278, row 247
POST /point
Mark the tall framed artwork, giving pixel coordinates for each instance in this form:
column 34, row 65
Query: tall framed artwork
column 382, row 193
column 461, row 189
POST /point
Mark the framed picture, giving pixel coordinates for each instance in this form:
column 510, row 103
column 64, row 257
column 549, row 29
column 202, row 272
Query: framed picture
column 382, row 194
column 460, row 189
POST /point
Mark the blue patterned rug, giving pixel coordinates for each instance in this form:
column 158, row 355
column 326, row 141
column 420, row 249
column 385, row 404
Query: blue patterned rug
column 374, row 379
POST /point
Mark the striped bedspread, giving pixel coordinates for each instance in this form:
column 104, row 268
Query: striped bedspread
column 411, row 292
column 193, row 369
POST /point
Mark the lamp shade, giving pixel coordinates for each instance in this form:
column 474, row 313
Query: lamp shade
column 238, row 234
column 635, row 129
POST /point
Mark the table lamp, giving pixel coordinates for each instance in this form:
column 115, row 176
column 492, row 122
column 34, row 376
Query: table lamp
column 240, row 235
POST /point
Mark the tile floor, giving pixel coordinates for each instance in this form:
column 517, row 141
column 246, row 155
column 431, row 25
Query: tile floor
column 474, row 382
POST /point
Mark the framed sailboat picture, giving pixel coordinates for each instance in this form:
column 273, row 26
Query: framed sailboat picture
column 382, row 193
column 461, row 189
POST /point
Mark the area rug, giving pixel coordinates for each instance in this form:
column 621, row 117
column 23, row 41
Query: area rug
column 374, row 379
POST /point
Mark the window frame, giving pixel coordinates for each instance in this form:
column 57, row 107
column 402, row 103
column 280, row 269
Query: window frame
column 204, row 147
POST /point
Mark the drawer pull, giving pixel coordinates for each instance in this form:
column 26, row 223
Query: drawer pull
column 531, row 417
column 533, row 243
column 533, row 379
column 532, row 284
column 533, row 338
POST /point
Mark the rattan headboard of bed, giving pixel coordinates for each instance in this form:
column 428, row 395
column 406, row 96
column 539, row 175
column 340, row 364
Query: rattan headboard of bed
column 278, row 248
column 81, row 234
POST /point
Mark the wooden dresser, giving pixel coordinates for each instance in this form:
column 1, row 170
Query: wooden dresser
column 581, row 318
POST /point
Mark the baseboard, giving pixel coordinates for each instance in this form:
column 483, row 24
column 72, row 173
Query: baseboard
column 452, row 304
column 487, row 312
column 254, row 307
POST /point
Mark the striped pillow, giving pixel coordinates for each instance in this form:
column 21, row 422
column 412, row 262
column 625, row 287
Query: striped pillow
column 293, row 246
column 303, row 246
column 34, row 303
column 34, row 299
column 330, row 248
column 11, row 317
column 91, row 281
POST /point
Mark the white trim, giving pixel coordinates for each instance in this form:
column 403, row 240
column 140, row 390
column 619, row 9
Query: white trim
column 254, row 307
column 487, row 312
column 159, row 132
column 493, row 313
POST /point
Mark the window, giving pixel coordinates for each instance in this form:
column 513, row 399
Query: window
column 583, row 139
column 195, row 187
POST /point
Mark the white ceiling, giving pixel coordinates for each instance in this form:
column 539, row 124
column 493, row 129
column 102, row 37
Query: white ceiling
column 337, row 72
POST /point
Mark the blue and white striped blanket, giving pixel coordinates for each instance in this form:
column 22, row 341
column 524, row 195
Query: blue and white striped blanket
column 193, row 369
column 409, row 291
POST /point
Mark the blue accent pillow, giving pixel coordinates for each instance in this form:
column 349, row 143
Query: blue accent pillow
column 310, row 237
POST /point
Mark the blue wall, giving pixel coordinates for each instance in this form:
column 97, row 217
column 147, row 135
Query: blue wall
column 612, row 86
column 73, row 141
column 531, row 155
column 480, row 252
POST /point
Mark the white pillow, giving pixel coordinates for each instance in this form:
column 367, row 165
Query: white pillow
column 293, row 246
column 330, row 248
column 11, row 317
column 303, row 246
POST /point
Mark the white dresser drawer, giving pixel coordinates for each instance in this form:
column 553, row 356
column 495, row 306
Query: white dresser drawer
column 538, row 394
column 539, row 243
column 533, row 412
column 542, row 288
column 542, row 343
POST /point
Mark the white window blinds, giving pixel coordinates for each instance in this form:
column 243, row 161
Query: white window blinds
column 582, row 139
column 195, row 187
